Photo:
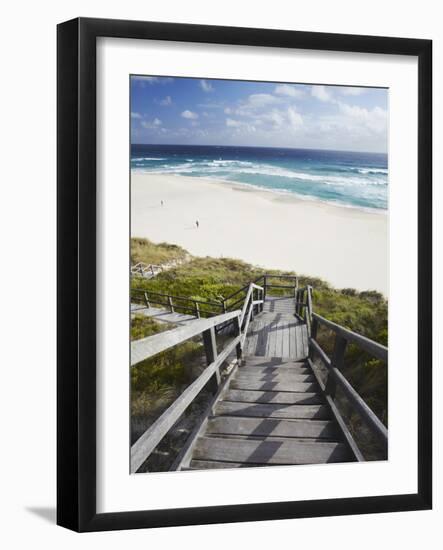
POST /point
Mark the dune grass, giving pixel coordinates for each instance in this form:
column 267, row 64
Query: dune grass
column 143, row 250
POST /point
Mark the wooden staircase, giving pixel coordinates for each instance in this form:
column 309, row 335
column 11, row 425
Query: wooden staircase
column 270, row 412
column 270, row 407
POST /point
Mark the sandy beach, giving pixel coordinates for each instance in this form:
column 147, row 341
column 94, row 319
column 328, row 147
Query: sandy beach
column 347, row 247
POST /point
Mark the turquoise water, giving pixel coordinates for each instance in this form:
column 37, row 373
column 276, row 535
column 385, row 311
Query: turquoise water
column 347, row 178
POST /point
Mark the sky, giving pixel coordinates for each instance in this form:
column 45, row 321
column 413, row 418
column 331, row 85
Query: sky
column 195, row 111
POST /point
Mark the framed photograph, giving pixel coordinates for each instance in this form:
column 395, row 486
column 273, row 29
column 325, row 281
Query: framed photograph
column 244, row 274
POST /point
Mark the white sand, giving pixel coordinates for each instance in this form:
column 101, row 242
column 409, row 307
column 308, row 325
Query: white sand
column 345, row 246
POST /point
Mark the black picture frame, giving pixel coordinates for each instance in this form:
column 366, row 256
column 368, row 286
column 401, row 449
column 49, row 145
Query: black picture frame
column 76, row 294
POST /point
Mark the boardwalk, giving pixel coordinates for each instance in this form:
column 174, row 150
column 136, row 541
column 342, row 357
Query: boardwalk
column 270, row 413
column 271, row 408
column 162, row 315
column 277, row 335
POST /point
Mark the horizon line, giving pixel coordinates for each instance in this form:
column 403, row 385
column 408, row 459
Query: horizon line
column 265, row 147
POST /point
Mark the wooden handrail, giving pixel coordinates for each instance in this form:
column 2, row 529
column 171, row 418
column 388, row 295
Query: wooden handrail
column 377, row 350
column 262, row 278
column 335, row 377
column 183, row 298
column 249, row 295
column 149, row 440
column 366, row 413
column 151, row 345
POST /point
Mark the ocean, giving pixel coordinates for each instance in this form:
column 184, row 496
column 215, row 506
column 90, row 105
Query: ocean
column 351, row 179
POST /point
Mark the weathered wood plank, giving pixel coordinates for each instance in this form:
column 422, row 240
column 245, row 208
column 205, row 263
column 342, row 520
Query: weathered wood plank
column 285, row 337
column 274, row 386
column 282, row 398
column 278, row 339
column 319, row 412
column 276, row 428
column 274, row 377
column 269, row 452
column 258, row 361
column 246, row 369
column 162, row 315
column 304, row 332
column 216, row 464
column 293, row 338
column 147, row 347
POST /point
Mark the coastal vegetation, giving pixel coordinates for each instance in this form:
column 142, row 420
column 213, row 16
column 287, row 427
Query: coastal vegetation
column 215, row 279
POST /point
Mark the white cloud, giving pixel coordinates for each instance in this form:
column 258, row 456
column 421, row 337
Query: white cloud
column 213, row 105
column 166, row 101
column 288, row 90
column 136, row 115
column 152, row 79
column 240, row 126
column 190, row 115
column 275, row 119
column 206, row 86
column 148, row 124
column 375, row 120
column 321, row 93
column 352, row 90
column 228, row 111
column 230, row 122
column 295, row 119
column 261, row 100
column 254, row 104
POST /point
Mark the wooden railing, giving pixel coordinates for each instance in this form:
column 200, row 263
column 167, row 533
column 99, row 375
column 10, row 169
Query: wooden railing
column 264, row 283
column 335, row 364
column 239, row 314
column 267, row 284
column 181, row 304
column 141, row 269
column 303, row 305
column 152, row 345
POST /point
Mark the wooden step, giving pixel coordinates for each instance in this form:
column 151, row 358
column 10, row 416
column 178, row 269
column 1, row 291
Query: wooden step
column 284, row 451
column 263, row 361
column 225, row 425
column 216, row 464
column 276, row 377
column 274, row 370
column 271, row 410
column 282, row 398
column 273, row 386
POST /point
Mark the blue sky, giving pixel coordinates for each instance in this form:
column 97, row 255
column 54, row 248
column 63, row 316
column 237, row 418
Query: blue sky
column 230, row 112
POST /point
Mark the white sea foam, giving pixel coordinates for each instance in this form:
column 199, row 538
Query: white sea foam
column 139, row 159
column 242, row 167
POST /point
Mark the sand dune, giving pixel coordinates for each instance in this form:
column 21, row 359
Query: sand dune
column 345, row 246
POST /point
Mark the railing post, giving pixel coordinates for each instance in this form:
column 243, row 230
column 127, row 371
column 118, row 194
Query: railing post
column 210, row 345
column 237, row 332
column 224, row 306
column 252, row 303
column 147, row 300
column 265, row 286
column 171, row 307
column 337, row 361
column 197, row 309
column 302, row 301
column 314, row 329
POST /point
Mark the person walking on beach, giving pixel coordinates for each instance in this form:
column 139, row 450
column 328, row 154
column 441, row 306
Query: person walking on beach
column 161, row 202
column 197, row 224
